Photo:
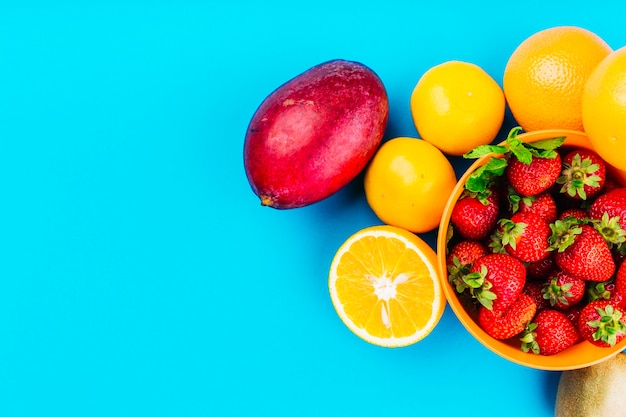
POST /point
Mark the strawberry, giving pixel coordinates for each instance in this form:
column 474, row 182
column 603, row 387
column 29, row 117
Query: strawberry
column 612, row 202
column 496, row 280
column 581, row 251
column 601, row 290
column 564, row 290
column 504, row 324
column 576, row 213
column 475, row 216
column 520, row 155
column 610, row 185
column 620, row 257
column 535, row 177
column 549, row 333
column 612, row 232
column 542, row 204
column 620, row 279
column 525, row 236
column 531, row 168
column 534, row 289
column 583, row 174
column 573, row 315
column 609, row 212
column 602, row 323
column 467, row 251
column 540, row 269
column 460, row 259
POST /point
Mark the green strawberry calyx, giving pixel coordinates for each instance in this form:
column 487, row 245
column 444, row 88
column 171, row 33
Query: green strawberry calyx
column 495, row 242
column 528, row 339
column 608, row 325
column 480, row 288
column 564, row 233
column 611, row 230
column 515, row 200
column 557, row 294
column 511, row 232
column 599, row 291
column 575, row 176
column 456, row 274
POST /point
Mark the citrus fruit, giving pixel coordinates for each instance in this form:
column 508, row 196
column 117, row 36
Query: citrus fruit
column 457, row 106
column 384, row 285
column 545, row 75
column 604, row 109
column 407, row 184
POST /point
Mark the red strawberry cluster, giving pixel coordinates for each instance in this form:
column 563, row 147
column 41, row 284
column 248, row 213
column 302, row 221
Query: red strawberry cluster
column 537, row 246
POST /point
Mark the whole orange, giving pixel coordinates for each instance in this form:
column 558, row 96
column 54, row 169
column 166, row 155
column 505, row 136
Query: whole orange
column 545, row 76
column 408, row 182
column 457, row 106
column 604, row 109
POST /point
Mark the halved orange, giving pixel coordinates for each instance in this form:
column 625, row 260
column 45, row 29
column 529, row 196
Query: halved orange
column 384, row 285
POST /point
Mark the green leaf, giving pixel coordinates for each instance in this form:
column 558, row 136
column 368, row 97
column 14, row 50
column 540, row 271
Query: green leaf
column 482, row 178
column 477, row 182
column 548, row 144
column 547, row 154
column 523, row 154
column 496, row 166
column 524, row 151
column 513, row 132
column 482, row 150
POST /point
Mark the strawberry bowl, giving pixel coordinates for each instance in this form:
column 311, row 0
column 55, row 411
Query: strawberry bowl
column 466, row 307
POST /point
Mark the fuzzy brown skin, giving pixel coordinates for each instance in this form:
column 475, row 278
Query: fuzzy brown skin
column 596, row 391
column 315, row 134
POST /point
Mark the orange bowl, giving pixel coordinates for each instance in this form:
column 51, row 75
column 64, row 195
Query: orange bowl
column 580, row 355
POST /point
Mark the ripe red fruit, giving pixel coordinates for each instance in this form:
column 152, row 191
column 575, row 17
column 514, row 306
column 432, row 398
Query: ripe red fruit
column 504, row 324
column 602, row 323
column 497, row 280
column 525, row 236
column 460, row 259
column 542, row 204
column 467, row 251
column 474, row 217
column 314, row 134
column 583, row 174
column 611, row 184
column 549, row 333
column 534, row 289
column 580, row 259
column 582, row 251
column 564, row 290
column 534, row 178
column 540, row 269
column 573, row 315
column 620, row 279
column 613, row 203
column 602, row 291
column 576, row 213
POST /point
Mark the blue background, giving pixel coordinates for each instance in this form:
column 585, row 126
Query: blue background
column 139, row 274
